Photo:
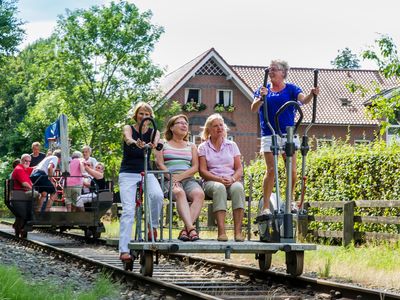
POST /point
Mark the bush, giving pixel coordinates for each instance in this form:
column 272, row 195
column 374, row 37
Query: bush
column 341, row 172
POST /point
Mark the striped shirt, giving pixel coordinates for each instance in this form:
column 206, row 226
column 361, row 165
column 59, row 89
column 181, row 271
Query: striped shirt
column 177, row 160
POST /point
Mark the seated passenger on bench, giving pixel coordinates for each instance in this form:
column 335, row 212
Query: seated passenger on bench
column 20, row 176
column 41, row 181
column 97, row 183
column 21, row 181
column 221, row 169
column 73, row 184
column 180, row 157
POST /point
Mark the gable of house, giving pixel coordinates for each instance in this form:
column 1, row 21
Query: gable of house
column 209, row 76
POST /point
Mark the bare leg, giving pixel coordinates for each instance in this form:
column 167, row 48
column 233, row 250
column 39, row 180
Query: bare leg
column 269, row 178
column 197, row 197
column 238, row 220
column 182, row 206
column 294, row 174
column 50, row 202
column 220, row 216
column 41, row 200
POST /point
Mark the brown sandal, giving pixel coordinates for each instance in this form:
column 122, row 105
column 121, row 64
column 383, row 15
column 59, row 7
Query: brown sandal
column 183, row 235
column 193, row 235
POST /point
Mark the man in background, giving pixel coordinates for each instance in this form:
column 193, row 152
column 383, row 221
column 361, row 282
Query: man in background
column 36, row 155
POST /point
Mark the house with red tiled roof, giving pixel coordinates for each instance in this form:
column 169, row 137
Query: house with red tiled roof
column 208, row 84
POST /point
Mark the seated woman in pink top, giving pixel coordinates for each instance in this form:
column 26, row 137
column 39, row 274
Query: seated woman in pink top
column 221, row 169
column 73, row 185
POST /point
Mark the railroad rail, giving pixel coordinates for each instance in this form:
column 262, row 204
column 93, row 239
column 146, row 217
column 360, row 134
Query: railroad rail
column 179, row 276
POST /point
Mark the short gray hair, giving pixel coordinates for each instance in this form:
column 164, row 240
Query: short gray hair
column 57, row 153
column 282, row 64
column 76, row 154
column 86, row 147
column 25, row 155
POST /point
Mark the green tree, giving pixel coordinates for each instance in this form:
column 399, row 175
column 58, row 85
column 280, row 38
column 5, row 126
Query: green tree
column 11, row 33
column 29, row 79
column 346, row 60
column 104, row 67
column 386, row 105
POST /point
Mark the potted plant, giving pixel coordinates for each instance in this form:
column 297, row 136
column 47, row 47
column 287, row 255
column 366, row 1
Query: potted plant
column 192, row 106
column 219, row 108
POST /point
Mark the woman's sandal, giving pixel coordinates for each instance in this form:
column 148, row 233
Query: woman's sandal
column 125, row 256
column 193, row 235
column 183, row 235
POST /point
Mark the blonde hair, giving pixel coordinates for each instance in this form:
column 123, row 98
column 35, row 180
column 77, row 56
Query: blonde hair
column 142, row 105
column 205, row 134
column 101, row 165
column 36, row 144
column 282, row 64
column 171, row 122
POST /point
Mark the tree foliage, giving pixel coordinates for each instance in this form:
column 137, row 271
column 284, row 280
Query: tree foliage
column 94, row 68
column 11, row 33
column 106, row 66
column 346, row 60
column 386, row 105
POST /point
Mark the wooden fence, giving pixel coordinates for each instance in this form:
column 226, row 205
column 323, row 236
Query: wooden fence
column 347, row 218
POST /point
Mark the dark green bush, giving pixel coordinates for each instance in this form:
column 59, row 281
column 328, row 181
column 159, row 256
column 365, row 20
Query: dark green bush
column 341, row 172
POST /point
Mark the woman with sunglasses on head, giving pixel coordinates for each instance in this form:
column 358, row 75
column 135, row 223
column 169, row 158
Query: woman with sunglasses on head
column 277, row 93
column 180, row 157
column 132, row 166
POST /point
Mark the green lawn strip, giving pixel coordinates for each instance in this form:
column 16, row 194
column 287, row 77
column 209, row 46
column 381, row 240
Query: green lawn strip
column 15, row 286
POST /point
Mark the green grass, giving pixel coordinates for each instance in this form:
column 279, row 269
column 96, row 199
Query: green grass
column 15, row 286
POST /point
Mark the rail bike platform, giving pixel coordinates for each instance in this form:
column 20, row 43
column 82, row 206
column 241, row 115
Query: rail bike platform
column 146, row 251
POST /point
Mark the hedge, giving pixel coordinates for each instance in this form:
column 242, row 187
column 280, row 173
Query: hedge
column 342, row 172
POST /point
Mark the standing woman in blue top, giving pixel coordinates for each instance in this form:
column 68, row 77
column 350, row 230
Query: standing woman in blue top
column 277, row 93
column 129, row 175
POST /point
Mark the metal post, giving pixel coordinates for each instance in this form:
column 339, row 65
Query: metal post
column 288, row 217
column 64, row 144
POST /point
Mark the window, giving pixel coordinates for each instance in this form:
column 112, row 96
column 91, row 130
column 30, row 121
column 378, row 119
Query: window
column 361, row 142
column 224, row 97
column 324, row 142
column 196, row 139
column 230, row 138
column 393, row 134
column 192, row 95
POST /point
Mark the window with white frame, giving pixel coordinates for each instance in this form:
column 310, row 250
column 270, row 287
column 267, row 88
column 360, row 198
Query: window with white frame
column 193, row 95
column 393, row 134
column 224, row 97
column 361, row 142
column 196, row 139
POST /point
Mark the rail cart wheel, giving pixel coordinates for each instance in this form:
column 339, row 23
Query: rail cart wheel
column 23, row 234
column 264, row 261
column 96, row 235
column 294, row 262
column 146, row 263
column 88, row 233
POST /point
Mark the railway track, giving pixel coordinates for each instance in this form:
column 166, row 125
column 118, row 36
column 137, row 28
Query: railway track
column 186, row 277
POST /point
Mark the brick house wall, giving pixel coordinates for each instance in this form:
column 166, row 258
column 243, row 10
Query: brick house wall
column 243, row 124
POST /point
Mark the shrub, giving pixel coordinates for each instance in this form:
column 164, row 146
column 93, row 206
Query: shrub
column 341, row 172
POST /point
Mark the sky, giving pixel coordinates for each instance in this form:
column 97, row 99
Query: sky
column 305, row 33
